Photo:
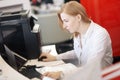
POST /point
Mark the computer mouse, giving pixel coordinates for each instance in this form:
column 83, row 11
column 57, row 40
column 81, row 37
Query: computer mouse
column 41, row 58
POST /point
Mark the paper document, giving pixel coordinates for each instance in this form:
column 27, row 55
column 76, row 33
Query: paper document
column 36, row 28
column 41, row 63
column 50, row 48
column 47, row 78
column 62, row 67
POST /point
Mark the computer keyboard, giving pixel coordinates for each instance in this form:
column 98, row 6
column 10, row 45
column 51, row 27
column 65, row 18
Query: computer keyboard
column 30, row 72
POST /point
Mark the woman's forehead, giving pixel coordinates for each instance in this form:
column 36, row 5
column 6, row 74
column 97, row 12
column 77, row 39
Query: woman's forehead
column 65, row 15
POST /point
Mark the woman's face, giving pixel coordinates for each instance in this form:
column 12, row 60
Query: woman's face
column 70, row 23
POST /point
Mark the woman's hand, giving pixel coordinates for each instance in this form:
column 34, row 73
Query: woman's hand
column 48, row 56
column 54, row 75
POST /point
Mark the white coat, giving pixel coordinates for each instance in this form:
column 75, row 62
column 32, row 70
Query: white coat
column 95, row 41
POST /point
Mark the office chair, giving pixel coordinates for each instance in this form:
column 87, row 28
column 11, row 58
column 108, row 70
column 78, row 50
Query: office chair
column 116, row 59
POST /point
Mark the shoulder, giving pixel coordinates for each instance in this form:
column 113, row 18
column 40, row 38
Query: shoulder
column 99, row 30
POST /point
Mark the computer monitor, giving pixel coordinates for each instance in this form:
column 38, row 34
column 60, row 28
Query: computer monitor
column 14, row 60
column 2, row 50
column 17, row 35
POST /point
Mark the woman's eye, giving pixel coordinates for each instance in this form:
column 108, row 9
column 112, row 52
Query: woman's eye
column 65, row 20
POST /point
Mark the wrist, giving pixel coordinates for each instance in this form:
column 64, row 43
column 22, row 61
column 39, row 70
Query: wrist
column 58, row 58
column 61, row 75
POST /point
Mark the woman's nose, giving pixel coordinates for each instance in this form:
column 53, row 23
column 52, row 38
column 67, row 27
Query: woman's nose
column 64, row 26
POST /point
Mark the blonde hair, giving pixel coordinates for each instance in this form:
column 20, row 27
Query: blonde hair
column 73, row 8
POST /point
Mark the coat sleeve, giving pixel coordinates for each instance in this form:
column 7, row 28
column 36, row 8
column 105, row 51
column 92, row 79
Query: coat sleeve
column 66, row 55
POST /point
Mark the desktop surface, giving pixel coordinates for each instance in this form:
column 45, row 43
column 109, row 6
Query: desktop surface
column 8, row 71
column 28, row 70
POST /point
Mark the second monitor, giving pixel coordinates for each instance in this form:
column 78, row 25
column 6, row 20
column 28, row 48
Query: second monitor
column 17, row 35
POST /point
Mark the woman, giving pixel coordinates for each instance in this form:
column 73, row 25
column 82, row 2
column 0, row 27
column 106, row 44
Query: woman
column 90, row 39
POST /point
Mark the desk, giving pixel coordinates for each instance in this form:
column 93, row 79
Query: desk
column 9, row 73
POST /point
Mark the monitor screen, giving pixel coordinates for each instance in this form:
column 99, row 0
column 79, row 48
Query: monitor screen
column 14, row 60
column 2, row 50
column 13, row 37
column 18, row 37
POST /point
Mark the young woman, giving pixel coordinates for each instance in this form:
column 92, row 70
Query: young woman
column 90, row 39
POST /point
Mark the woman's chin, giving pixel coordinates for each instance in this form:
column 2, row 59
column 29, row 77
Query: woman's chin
column 71, row 32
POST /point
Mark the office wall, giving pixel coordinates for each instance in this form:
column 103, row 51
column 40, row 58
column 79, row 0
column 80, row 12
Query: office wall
column 51, row 32
column 107, row 14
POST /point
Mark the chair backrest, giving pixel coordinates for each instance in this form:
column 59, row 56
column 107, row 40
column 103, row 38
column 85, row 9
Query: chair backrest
column 51, row 32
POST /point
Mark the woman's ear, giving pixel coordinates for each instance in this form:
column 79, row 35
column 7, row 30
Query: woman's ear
column 78, row 17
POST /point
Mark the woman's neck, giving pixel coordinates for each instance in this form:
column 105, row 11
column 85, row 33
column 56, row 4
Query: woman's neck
column 83, row 28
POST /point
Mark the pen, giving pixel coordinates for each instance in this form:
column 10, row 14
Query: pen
column 46, row 51
column 49, row 51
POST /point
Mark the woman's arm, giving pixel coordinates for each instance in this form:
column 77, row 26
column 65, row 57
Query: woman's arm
column 66, row 55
